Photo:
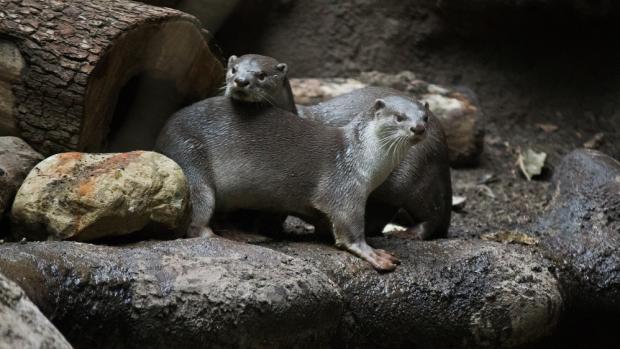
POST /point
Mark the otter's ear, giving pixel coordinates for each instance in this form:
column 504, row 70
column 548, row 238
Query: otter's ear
column 231, row 60
column 379, row 104
column 426, row 106
column 282, row 67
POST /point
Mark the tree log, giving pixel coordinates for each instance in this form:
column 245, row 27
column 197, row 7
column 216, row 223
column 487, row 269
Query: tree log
column 77, row 57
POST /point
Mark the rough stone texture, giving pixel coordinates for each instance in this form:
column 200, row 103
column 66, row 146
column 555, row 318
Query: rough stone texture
column 16, row 160
column 177, row 294
column 352, row 36
column 21, row 323
column 217, row 292
column 483, row 14
column 446, row 293
column 211, row 13
column 458, row 110
column 580, row 229
column 87, row 196
column 80, row 53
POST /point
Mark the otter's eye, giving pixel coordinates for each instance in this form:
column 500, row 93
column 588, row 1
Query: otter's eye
column 261, row 76
column 400, row 118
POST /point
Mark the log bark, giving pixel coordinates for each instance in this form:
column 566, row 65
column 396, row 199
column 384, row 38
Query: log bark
column 79, row 54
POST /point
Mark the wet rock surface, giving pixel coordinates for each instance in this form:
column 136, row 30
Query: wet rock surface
column 87, row 196
column 16, row 160
column 217, row 292
column 21, row 323
column 182, row 293
column 580, row 229
column 446, row 293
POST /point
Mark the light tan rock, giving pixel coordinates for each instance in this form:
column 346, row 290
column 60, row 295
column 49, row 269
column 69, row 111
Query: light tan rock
column 16, row 159
column 82, row 196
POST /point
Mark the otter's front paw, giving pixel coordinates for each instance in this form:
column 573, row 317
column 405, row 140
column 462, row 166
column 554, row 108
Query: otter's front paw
column 381, row 260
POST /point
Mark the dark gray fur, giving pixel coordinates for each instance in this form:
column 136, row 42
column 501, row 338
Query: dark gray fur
column 243, row 156
column 256, row 78
column 421, row 184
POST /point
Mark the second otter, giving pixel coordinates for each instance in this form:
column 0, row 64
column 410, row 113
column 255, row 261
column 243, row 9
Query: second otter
column 420, row 184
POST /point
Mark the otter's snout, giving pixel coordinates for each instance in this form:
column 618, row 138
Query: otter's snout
column 241, row 82
column 418, row 129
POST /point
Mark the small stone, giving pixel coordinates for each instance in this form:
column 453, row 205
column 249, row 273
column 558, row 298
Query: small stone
column 21, row 323
column 89, row 196
column 16, row 160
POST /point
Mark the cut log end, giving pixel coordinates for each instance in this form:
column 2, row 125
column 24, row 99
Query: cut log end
column 82, row 60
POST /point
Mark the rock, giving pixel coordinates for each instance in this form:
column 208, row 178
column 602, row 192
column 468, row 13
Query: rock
column 580, row 229
column 177, row 294
column 21, row 323
column 87, row 196
column 446, row 293
column 16, row 160
column 220, row 293
column 457, row 109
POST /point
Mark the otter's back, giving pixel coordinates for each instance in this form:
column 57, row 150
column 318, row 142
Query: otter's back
column 251, row 153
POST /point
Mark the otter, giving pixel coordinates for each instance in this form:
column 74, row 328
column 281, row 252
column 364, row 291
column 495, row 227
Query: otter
column 259, row 79
column 238, row 156
column 420, row 184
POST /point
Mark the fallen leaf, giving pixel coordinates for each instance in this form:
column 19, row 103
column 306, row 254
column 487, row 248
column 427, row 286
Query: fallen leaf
column 508, row 237
column 486, row 191
column 458, row 202
column 548, row 128
column 487, row 178
column 595, row 141
column 531, row 163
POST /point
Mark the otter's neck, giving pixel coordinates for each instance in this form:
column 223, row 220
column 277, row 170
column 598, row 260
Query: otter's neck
column 374, row 157
column 285, row 99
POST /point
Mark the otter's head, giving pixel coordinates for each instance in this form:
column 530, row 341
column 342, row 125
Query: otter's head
column 254, row 78
column 400, row 119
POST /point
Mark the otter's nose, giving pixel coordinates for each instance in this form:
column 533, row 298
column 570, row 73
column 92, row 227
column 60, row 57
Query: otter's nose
column 241, row 82
column 418, row 129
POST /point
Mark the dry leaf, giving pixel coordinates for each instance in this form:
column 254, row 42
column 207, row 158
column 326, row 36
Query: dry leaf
column 458, row 202
column 531, row 163
column 595, row 141
column 513, row 237
column 548, row 128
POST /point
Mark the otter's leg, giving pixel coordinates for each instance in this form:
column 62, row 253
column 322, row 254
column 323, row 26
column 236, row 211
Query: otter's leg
column 348, row 230
column 202, row 198
column 433, row 221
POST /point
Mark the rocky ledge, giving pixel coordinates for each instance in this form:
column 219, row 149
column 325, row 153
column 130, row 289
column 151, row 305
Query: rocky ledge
column 217, row 292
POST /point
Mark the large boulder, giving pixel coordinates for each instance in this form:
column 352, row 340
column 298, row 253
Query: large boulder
column 217, row 292
column 580, row 230
column 457, row 109
column 177, row 294
column 446, row 293
column 87, row 196
column 16, row 160
column 21, row 323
